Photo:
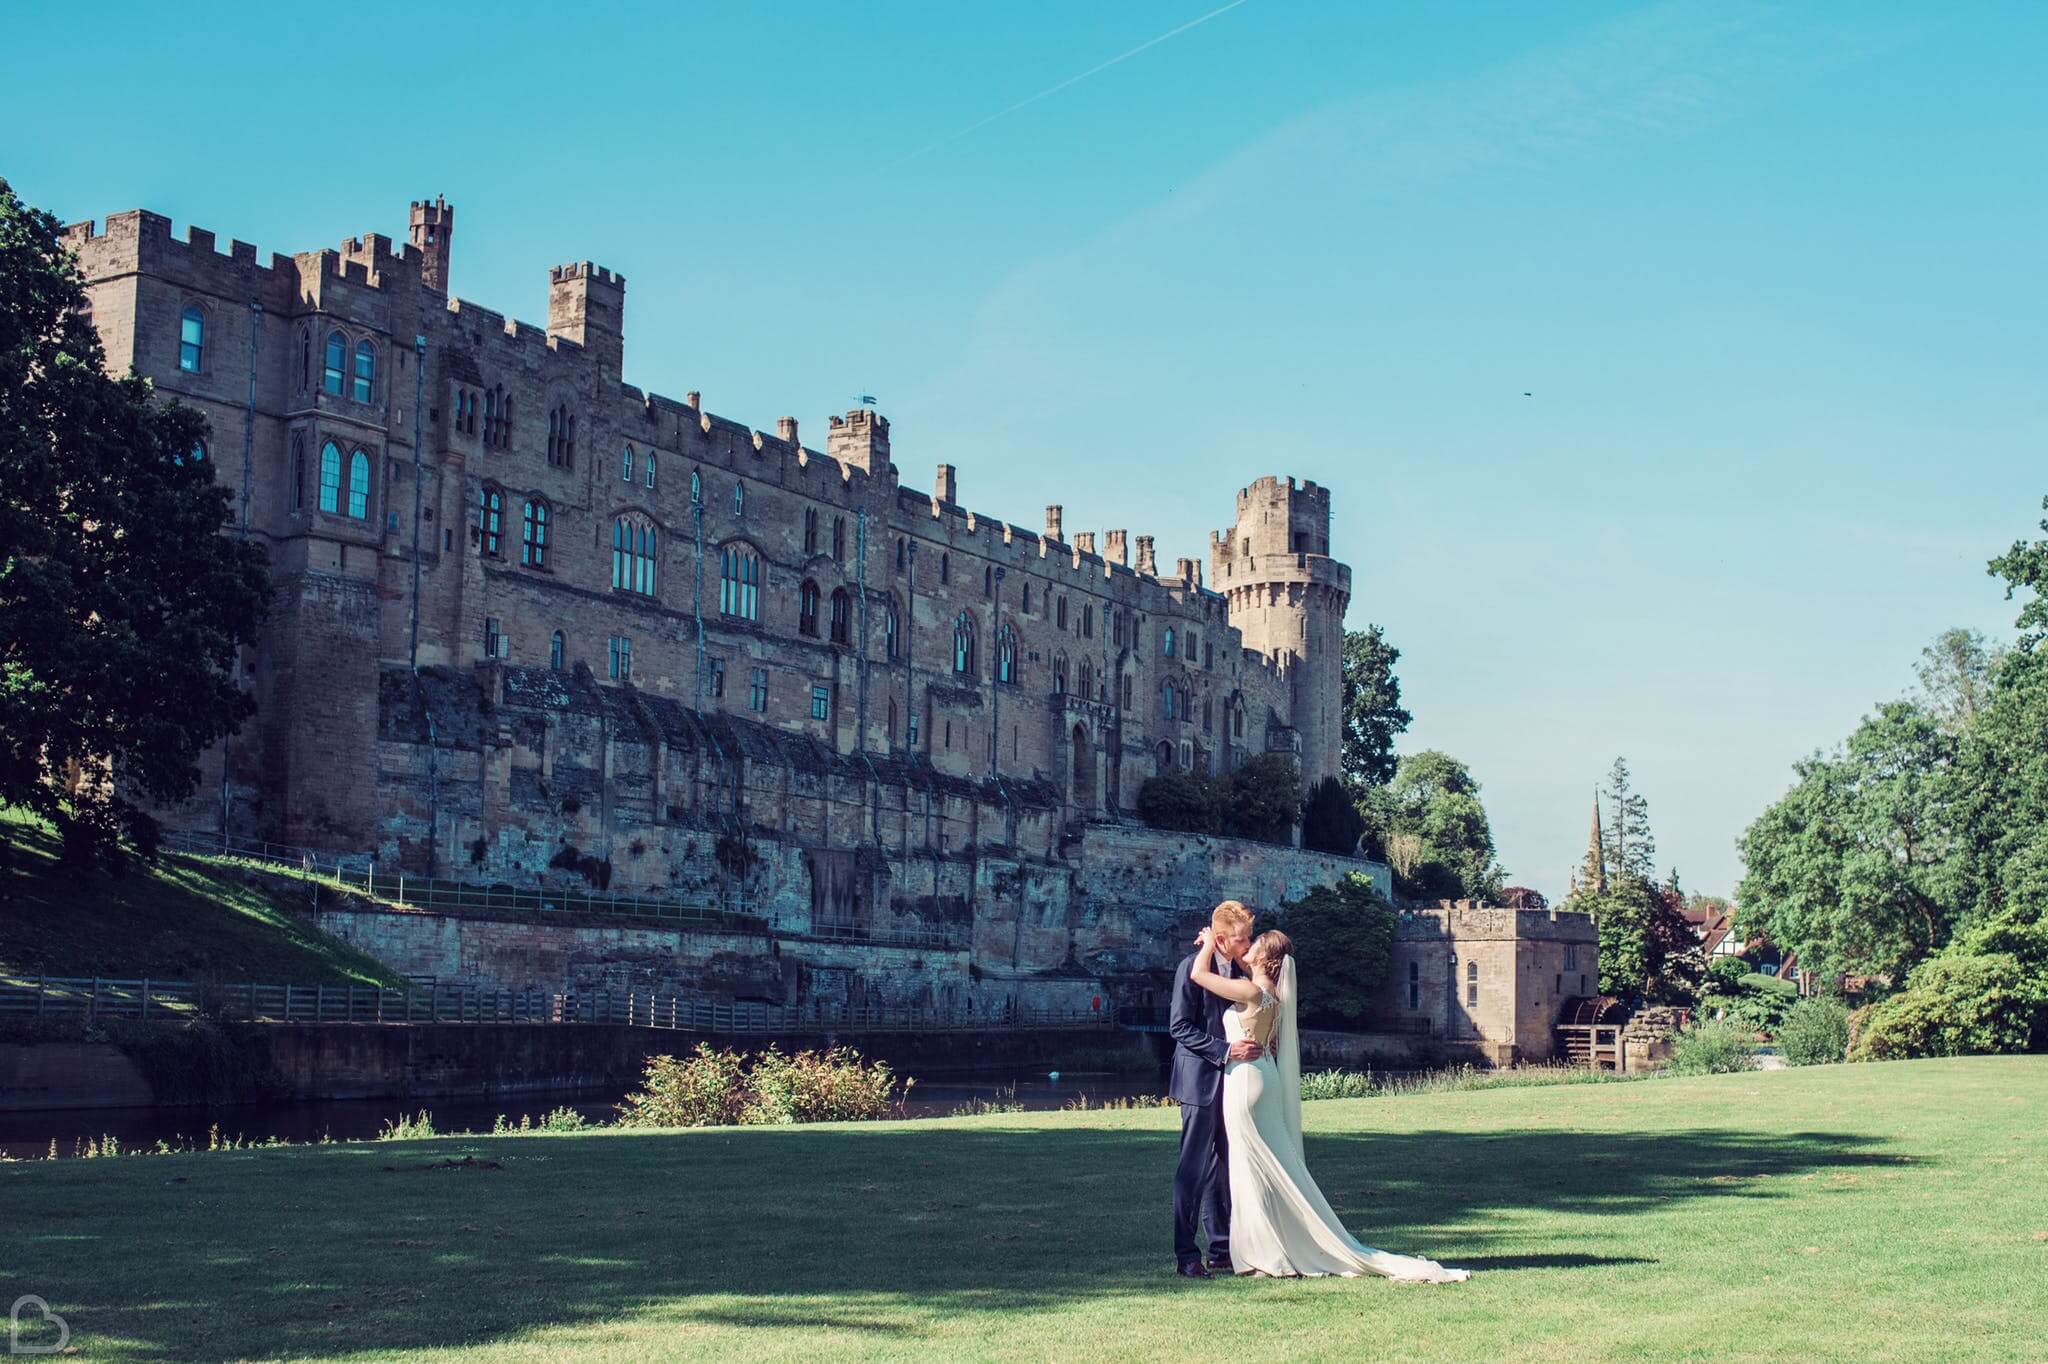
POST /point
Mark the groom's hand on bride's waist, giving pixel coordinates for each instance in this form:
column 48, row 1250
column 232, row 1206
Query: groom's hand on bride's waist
column 1246, row 1050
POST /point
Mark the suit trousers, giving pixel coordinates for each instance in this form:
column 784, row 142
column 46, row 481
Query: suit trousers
column 1201, row 1182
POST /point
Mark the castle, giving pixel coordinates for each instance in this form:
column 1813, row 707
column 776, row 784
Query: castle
column 534, row 624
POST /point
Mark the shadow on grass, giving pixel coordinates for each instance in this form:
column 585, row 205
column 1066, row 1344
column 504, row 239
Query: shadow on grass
column 321, row 1250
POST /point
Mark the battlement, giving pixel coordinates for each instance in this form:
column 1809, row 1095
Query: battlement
column 137, row 232
column 584, row 270
column 1475, row 919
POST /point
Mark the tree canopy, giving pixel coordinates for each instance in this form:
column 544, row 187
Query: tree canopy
column 1343, row 945
column 122, row 607
column 1434, row 829
column 1373, row 715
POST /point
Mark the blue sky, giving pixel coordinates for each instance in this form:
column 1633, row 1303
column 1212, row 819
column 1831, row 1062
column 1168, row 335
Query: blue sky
column 1675, row 367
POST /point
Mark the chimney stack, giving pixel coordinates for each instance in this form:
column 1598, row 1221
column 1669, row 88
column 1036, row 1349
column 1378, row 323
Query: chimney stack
column 1115, row 547
column 1084, row 541
column 947, row 486
column 785, row 427
column 693, row 400
column 1146, row 563
column 1053, row 516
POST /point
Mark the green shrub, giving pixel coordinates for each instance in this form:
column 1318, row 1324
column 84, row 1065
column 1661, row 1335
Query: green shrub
column 1757, row 1000
column 1330, row 822
column 723, row 1089
column 1956, row 1006
column 1264, row 801
column 1712, row 1049
column 1184, row 802
column 1343, row 942
column 1815, row 1032
column 1338, row 1084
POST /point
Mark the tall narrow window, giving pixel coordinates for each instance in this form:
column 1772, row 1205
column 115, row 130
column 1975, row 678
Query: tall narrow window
column 634, row 546
column 1059, row 674
column 558, row 649
column 1116, row 627
column 330, row 477
column 1167, row 646
column 1471, row 984
column 842, row 616
column 192, row 340
column 626, row 467
column 366, row 371
column 963, row 645
column 1087, row 622
column 1086, row 691
column 988, row 582
column 739, row 499
column 359, row 485
column 1059, row 613
column 889, row 629
column 1027, row 599
column 1167, row 697
column 945, row 568
column 839, row 538
column 298, row 472
column 1414, row 985
column 807, row 608
column 305, row 359
column 533, row 551
column 696, row 487
column 493, row 641
column 821, row 703
column 619, row 656
column 810, row 530
column 1006, row 655
column 739, row 582
column 714, row 676
column 757, row 691
column 899, row 555
column 335, row 369
column 650, row 468
column 489, row 520
column 491, row 417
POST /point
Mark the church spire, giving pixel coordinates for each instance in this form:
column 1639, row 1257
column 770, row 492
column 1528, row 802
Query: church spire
column 1591, row 877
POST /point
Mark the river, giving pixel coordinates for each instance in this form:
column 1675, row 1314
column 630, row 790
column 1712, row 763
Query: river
column 28, row 1135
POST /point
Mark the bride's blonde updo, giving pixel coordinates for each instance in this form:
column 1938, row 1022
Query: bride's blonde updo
column 1271, row 948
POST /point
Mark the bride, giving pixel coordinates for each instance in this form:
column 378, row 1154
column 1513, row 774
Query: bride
column 1280, row 1223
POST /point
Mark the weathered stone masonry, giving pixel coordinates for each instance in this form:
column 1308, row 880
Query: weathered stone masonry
column 658, row 650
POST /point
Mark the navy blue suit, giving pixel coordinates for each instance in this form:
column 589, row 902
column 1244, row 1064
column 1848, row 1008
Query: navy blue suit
column 1201, row 1181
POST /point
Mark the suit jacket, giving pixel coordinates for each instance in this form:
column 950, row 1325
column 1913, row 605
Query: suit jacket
column 1196, row 1026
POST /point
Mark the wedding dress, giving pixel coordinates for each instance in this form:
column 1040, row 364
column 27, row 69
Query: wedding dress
column 1280, row 1223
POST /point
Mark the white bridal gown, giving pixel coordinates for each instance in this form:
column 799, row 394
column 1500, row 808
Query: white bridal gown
column 1280, row 1223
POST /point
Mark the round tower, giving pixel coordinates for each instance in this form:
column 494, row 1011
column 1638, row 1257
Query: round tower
column 1287, row 597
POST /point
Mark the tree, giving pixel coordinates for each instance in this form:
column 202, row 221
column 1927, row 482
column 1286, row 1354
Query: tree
column 1648, row 952
column 122, row 607
column 1435, row 831
column 1629, row 846
column 1373, row 715
column 1329, row 821
column 1860, row 866
column 1264, row 799
column 1182, row 801
column 1343, row 945
column 1956, row 673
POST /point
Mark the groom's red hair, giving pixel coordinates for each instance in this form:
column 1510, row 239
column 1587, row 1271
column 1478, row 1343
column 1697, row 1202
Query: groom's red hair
column 1230, row 916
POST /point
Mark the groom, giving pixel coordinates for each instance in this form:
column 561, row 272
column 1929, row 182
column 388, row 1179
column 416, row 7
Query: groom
column 1201, row 1182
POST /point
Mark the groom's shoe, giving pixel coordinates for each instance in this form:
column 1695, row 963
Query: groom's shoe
column 1192, row 1269
column 1221, row 1264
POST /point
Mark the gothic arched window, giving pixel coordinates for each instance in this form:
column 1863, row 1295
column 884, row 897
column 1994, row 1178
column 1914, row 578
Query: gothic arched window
column 335, row 363
column 1006, row 655
column 635, row 548
column 739, row 582
column 1059, row 673
column 192, row 340
column 1167, row 648
column 842, row 617
column 963, row 645
column 359, row 486
column 807, row 608
column 330, row 477
column 557, row 648
column 490, row 513
column 366, row 371
column 890, row 643
column 534, row 534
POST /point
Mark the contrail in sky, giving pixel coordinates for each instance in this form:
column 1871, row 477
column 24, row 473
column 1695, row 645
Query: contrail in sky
column 1071, row 80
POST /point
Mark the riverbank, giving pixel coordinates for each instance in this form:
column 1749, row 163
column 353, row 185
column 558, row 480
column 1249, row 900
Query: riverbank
column 1883, row 1212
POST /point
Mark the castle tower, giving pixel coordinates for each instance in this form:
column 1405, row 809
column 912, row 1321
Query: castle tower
column 861, row 439
column 1288, row 596
column 587, row 305
column 433, row 225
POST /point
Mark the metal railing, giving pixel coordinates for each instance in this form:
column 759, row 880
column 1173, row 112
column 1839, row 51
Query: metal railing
column 943, row 936
column 96, row 998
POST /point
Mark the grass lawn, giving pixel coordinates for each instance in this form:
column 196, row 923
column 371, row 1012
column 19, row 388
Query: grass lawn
column 1873, row 1212
column 182, row 919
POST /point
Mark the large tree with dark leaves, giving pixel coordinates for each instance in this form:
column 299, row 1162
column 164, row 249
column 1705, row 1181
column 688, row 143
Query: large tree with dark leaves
column 121, row 604
column 1373, row 716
